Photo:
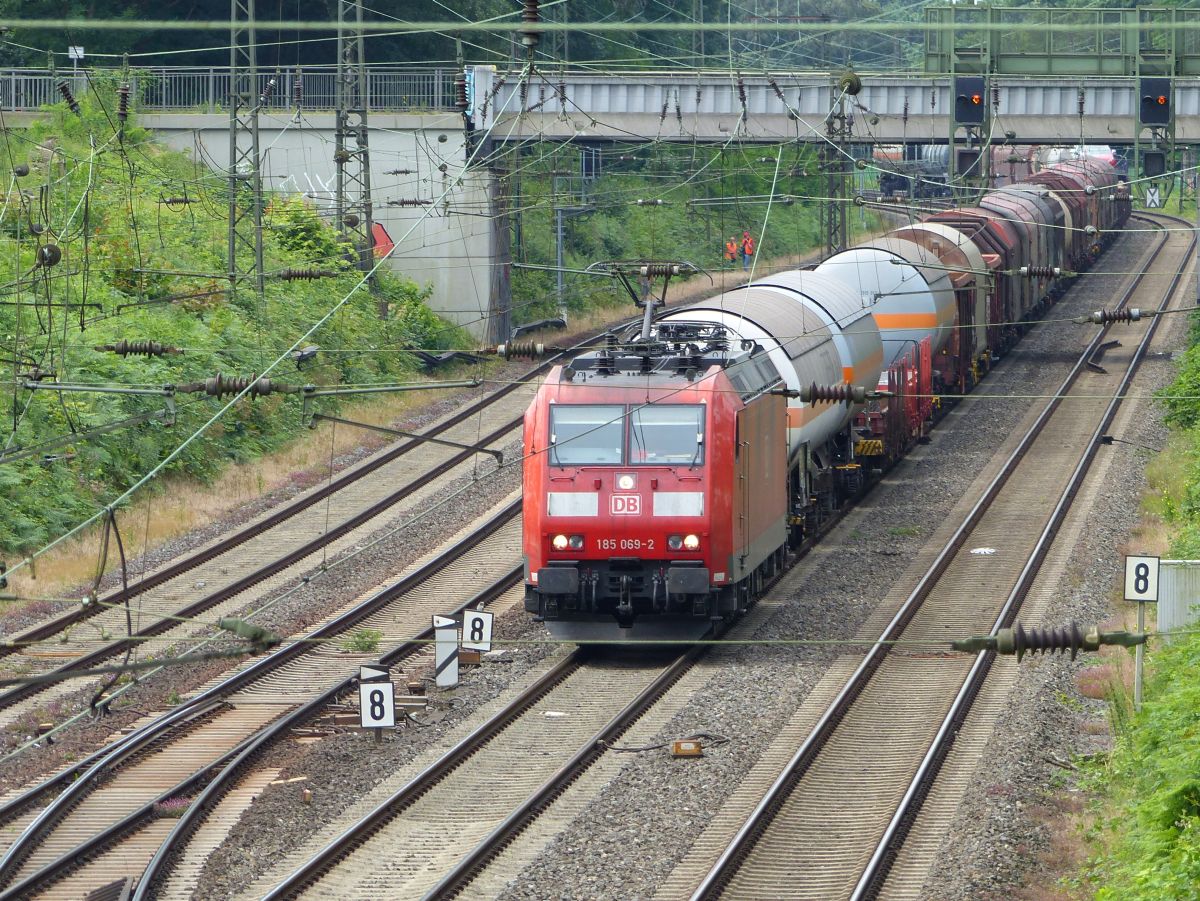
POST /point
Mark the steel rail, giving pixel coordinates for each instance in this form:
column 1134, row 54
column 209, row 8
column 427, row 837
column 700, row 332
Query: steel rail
column 356, row 835
column 120, row 750
column 251, row 748
column 226, row 767
column 166, row 623
column 15, row 643
column 361, row 831
column 519, row 820
column 759, row 820
column 879, row 866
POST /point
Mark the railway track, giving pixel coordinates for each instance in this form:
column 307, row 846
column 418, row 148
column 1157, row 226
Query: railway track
column 431, row 837
column 833, row 821
column 262, row 558
column 106, row 814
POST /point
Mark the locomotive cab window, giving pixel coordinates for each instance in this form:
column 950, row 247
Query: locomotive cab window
column 667, row 435
column 586, row 435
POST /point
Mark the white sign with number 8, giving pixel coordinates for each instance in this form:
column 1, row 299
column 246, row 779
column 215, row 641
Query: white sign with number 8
column 377, row 705
column 477, row 630
column 1141, row 579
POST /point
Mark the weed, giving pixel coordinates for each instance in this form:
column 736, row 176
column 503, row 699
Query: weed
column 364, row 641
column 172, row 807
column 1070, row 701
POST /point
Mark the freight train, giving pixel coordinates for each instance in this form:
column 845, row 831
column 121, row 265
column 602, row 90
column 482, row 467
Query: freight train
column 920, row 171
column 669, row 473
column 915, row 170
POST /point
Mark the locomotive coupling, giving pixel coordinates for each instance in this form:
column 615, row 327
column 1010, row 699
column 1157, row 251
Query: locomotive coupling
column 1064, row 639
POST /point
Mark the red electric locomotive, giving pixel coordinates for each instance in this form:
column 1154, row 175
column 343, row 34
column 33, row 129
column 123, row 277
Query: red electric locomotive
column 647, row 471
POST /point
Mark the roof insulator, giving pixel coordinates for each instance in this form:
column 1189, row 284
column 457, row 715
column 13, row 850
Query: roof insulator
column 125, row 348
column 65, row 89
column 222, row 385
column 530, row 16
column 1105, row 317
column 308, row 274
column 123, row 102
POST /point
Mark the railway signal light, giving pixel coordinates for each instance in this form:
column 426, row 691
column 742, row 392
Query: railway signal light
column 970, row 93
column 968, row 163
column 1156, row 100
column 1154, row 163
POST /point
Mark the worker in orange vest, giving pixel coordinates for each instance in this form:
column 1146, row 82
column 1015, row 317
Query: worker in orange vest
column 747, row 249
column 731, row 249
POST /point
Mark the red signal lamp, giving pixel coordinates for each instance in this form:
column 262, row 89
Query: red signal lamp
column 977, row 99
column 1161, row 99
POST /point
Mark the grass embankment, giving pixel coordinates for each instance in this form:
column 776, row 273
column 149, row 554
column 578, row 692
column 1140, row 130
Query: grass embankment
column 142, row 234
column 692, row 199
column 1145, row 834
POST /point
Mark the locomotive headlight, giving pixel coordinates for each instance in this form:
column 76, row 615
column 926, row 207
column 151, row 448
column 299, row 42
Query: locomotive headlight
column 626, row 481
column 576, row 542
column 675, row 542
column 560, row 542
column 691, row 542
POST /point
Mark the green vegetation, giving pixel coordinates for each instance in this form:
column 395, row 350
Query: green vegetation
column 1146, row 835
column 364, row 641
column 708, row 194
column 1148, row 838
column 104, row 202
column 785, row 48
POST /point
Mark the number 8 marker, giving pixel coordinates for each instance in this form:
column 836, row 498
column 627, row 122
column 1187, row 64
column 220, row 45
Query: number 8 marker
column 477, row 630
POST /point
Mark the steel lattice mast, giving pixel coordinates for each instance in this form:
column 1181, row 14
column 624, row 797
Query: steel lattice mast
column 351, row 157
column 245, row 255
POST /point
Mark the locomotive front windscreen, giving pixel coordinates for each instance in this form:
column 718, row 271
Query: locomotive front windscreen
column 667, row 435
column 596, row 435
column 583, row 434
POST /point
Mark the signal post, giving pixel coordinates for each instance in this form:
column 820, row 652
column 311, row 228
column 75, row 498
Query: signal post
column 1154, row 136
column 969, row 166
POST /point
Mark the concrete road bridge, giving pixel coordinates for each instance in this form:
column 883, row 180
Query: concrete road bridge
column 443, row 214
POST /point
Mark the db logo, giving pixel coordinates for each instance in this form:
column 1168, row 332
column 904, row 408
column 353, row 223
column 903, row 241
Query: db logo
column 626, row 504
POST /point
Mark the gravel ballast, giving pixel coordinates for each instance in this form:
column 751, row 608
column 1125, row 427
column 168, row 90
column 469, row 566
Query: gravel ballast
column 644, row 822
column 647, row 819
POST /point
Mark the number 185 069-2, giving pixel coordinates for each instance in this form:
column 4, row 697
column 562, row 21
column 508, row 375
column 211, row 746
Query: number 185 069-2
column 625, row 544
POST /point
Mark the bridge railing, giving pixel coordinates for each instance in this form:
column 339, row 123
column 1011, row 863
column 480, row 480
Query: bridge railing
column 207, row 89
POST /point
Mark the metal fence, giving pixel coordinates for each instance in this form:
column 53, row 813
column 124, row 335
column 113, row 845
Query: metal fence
column 1178, row 595
column 207, row 89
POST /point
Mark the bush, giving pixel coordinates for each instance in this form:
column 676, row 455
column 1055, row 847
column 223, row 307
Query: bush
column 1149, row 831
column 129, row 228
